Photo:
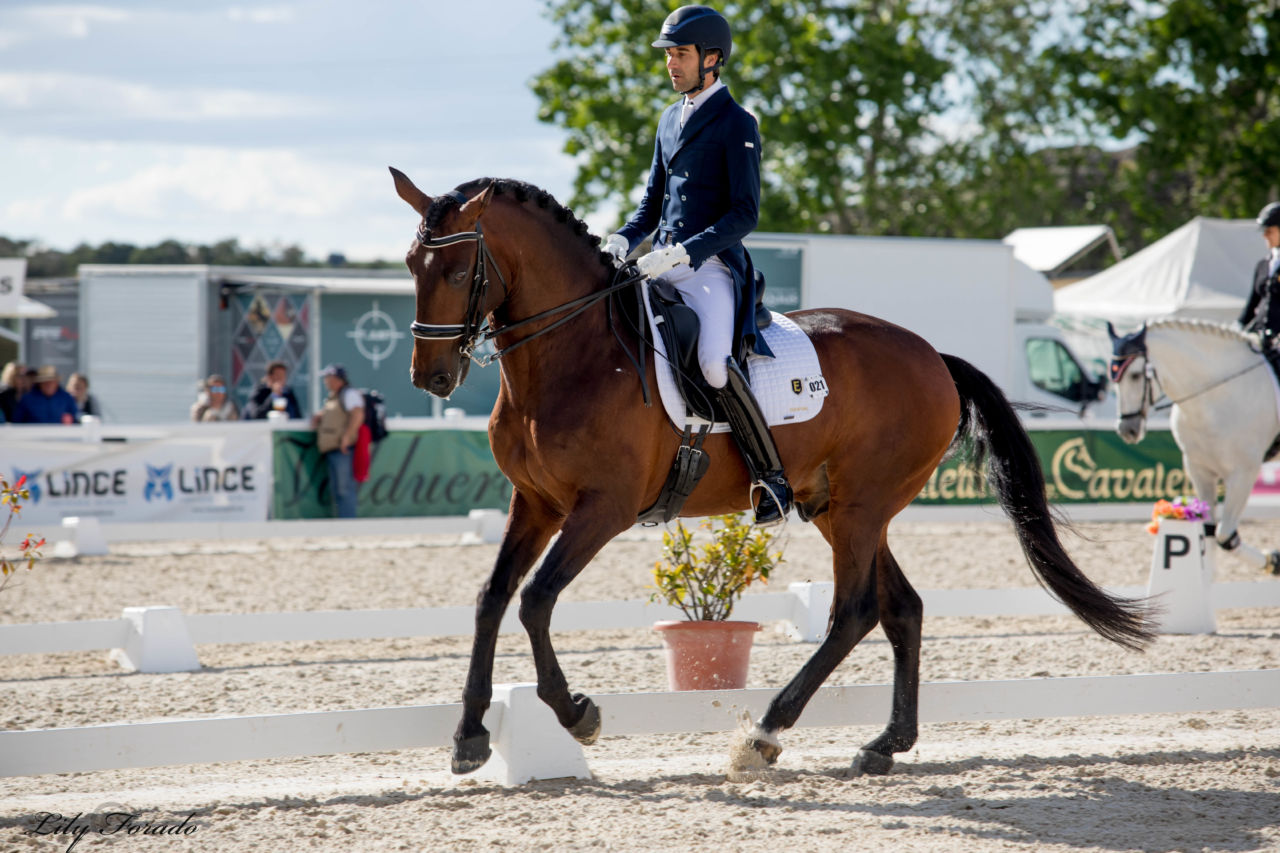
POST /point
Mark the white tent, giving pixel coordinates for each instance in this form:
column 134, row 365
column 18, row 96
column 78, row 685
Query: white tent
column 1052, row 250
column 1203, row 269
column 13, row 275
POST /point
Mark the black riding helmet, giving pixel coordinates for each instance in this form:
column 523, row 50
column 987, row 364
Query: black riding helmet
column 704, row 28
column 1270, row 215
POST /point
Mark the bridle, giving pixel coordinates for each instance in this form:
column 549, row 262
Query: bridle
column 1120, row 363
column 472, row 330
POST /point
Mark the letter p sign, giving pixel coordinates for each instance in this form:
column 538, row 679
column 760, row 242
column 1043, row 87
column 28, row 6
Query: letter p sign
column 1175, row 546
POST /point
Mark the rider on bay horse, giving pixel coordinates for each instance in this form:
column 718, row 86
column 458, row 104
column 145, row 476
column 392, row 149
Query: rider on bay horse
column 703, row 198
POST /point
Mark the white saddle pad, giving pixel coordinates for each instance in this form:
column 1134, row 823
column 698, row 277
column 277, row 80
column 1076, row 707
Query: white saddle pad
column 790, row 387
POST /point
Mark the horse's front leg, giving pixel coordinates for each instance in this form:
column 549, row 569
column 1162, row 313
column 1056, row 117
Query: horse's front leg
column 585, row 531
column 529, row 527
column 1238, row 486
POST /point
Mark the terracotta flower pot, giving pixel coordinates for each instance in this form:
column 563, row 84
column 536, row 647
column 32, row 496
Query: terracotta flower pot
column 707, row 655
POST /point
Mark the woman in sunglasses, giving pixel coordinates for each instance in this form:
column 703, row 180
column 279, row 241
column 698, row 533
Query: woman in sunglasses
column 213, row 404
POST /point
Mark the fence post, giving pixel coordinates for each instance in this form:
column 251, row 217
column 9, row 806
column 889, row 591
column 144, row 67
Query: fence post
column 1182, row 579
column 158, row 641
column 530, row 742
column 812, row 610
column 86, row 538
column 490, row 524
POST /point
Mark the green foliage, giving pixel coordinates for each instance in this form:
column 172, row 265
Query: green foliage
column 705, row 581
column 11, row 498
column 961, row 118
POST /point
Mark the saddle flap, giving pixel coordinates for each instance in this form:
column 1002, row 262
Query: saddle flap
column 679, row 326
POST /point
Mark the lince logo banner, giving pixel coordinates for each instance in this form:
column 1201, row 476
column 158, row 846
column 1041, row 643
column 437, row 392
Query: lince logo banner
column 182, row 476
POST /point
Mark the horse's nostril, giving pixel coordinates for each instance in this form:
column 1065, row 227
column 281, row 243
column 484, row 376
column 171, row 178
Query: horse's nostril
column 440, row 383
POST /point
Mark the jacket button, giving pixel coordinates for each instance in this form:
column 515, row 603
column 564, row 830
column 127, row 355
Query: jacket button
column 680, row 223
column 666, row 197
column 686, row 174
column 682, row 198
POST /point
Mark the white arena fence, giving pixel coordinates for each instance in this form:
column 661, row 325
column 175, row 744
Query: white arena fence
column 163, row 639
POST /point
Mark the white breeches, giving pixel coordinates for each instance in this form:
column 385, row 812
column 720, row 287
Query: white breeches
column 709, row 292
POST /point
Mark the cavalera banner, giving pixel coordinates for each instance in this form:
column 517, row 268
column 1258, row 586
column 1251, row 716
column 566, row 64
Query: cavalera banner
column 1080, row 466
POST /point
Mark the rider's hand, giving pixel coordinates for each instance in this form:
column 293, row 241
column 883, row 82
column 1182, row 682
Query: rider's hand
column 617, row 246
column 668, row 258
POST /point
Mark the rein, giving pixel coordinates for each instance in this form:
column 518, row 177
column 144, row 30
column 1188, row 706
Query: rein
column 1120, row 364
column 472, row 329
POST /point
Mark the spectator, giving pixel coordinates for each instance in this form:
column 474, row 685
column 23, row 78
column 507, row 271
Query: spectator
column 78, row 387
column 48, row 402
column 338, row 425
column 272, row 394
column 15, row 380
column 212, row 403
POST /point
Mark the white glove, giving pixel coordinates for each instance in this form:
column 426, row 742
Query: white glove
column 663, row 260
column 616, row 245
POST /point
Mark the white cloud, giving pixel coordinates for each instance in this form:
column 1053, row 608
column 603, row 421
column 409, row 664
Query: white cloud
column 72, row 21
column 261, row 14
column 84, row 95
column 261, row 184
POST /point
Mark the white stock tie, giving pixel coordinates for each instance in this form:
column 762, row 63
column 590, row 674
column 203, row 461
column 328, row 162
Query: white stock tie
column 686, row 111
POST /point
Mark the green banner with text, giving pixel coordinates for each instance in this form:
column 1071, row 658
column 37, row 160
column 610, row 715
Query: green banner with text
column 451, row 472
column 432, row 472
column 1080, row 466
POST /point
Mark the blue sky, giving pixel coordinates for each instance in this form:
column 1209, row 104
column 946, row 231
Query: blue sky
column 270, row 122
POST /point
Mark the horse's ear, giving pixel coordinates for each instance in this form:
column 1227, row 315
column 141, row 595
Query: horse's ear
column 1111, row 331
column 415, row 197
column 472, row 210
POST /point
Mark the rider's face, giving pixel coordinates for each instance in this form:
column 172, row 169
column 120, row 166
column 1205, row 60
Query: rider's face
column 682, row 66
column 1272, row 235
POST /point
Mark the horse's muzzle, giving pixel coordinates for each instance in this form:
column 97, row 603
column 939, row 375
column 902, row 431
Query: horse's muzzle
column 1132, row 429
column 439, row 383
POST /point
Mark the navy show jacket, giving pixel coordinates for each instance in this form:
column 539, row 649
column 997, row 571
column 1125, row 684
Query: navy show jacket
column 704, row 192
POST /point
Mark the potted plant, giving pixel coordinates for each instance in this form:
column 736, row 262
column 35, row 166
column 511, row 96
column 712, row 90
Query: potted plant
column 1179, row 509
column 708, row 650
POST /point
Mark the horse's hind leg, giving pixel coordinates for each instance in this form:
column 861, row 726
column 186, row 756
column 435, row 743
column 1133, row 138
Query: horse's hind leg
column 529, row 528
column 586, row 530
column 901, row 616
column 853, row 614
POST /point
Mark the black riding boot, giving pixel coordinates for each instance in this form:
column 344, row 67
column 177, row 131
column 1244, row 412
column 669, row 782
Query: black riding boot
column 770, row 492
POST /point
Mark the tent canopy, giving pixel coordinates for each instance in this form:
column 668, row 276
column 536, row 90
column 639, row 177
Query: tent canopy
column 1051, row 250
column 1203, row 269
column 13, row 276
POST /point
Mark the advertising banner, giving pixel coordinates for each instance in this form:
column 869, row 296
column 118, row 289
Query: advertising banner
column 428, row 472
column 187, row 474
column 1080, row 466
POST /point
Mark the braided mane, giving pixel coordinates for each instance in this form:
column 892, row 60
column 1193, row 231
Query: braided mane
column 525, row 194
column 1205, row 327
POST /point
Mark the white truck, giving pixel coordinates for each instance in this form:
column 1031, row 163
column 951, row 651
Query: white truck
column 970, row 298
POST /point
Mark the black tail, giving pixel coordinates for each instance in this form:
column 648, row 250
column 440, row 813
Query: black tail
column 990, row 422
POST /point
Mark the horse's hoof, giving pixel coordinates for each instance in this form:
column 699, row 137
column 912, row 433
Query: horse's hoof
column 587, row 729
column 470, row 753
column 872, row 763
column 768, row 750
column 1273, row 563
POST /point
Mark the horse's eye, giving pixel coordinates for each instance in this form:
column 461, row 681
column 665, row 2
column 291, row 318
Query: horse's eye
column 459, row 277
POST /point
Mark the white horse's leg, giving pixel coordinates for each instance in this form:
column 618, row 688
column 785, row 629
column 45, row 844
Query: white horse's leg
column 1238, row 487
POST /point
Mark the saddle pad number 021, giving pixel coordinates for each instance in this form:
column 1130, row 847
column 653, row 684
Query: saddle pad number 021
column 789, row 387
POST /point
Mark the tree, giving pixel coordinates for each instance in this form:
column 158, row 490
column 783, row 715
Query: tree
column 1191, row 85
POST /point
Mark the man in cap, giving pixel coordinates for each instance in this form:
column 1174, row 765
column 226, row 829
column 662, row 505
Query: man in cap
column 337, row 430
column 1262, row 311
column 47, row 402
column 702, row 198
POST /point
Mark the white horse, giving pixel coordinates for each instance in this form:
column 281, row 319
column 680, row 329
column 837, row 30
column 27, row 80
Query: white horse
column 1224, row 411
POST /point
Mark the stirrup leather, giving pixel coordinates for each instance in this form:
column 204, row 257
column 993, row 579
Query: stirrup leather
column 755, row 442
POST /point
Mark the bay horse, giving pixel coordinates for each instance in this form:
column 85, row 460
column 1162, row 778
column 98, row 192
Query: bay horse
column 585, row 455
column 1224, row 415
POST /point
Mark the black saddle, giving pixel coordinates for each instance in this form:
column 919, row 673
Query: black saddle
column 679, row 327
